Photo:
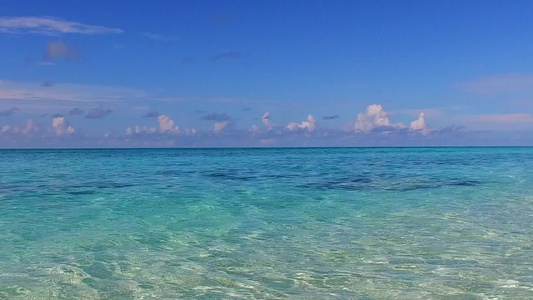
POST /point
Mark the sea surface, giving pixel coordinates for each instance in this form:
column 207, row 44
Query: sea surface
column 321, row 223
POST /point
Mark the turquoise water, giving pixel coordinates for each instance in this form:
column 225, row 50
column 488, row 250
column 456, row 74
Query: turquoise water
column 384, row 223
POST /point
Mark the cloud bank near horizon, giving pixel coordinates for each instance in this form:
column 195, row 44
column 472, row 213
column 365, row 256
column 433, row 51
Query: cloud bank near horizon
column 370, row 128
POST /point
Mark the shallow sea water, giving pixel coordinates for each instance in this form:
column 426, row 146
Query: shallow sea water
column 323, row 223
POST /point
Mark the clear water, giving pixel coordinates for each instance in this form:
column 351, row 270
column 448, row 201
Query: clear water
column 434, row 223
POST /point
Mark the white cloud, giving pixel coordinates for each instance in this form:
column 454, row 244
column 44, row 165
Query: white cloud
column 5, row 128
column 254, row 129
column 374, row 117
column 30, row 127
column 266, row 119
column 61, row 127
column 50, row 26
column 139, row 129
column 166, row 124
column 219, row 126
column 420, row 124
column 191, row 132
column 310, row 124
column 159, row 37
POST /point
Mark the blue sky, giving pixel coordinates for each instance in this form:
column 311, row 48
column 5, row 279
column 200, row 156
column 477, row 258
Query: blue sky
column 265, row 73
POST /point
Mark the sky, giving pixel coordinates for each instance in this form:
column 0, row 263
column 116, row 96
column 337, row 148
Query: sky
column 265, row 73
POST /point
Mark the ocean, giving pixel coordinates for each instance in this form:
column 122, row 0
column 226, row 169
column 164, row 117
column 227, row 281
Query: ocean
column 277, row 223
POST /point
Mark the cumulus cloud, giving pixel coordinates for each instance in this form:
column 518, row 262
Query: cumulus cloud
column 30, row 127
column 226, row 56
column 166, row 124
column 375, row 117
column 330, row 117
column 152, row 114
column 4, row 129
column 219, row 126
column 216, row 117
column 254, row 129
column 8, row 112
column 420, row 124
column 55, row 50
column 50, row 26
column 97, row 113
column 266, row 119
column 139, row 129
column 310, row 124
column 61, row 127
column 191, row 131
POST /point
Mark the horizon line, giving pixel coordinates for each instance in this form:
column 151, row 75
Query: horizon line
column 279, row 147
